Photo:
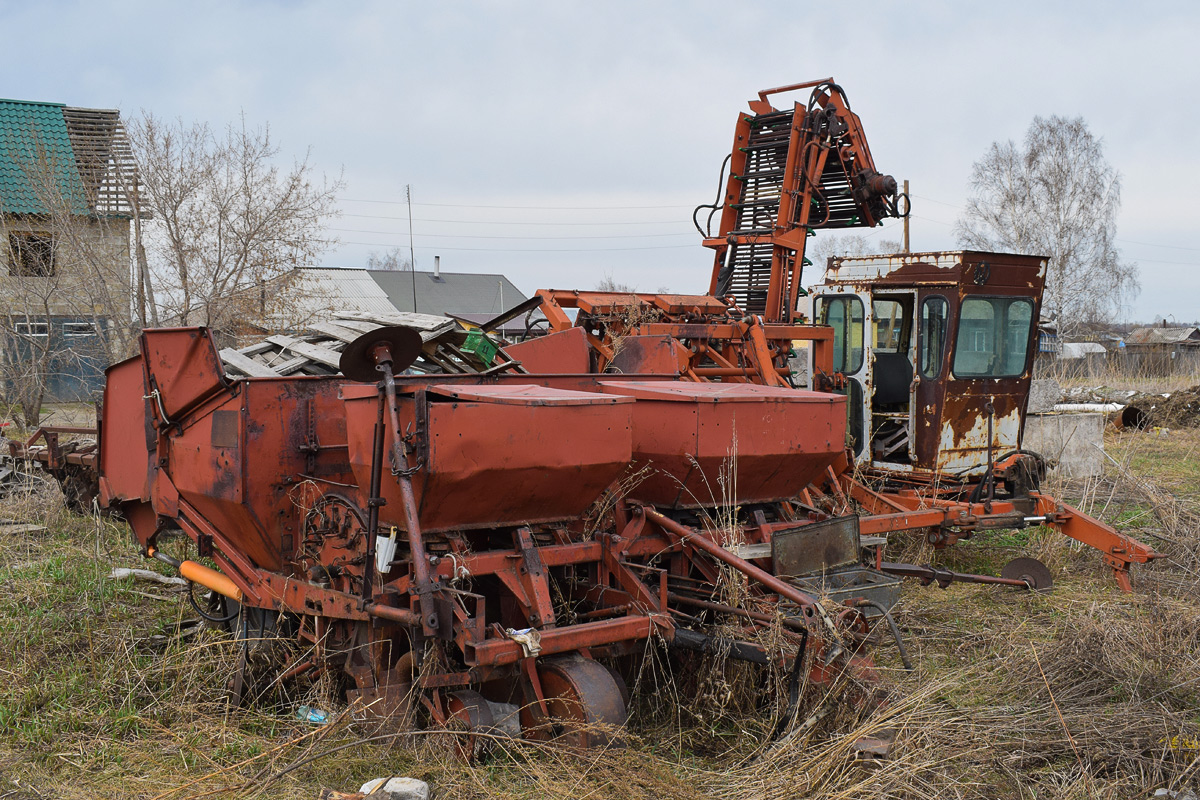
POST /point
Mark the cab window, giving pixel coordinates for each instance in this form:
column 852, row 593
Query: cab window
column 993, row 337
column 844, row 313
column 890, row 319
column 932, row 335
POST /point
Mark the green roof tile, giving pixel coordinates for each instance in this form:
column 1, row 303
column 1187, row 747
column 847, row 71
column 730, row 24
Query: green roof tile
column 33, row 137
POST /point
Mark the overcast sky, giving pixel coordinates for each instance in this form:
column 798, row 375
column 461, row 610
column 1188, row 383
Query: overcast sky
column 560, row 142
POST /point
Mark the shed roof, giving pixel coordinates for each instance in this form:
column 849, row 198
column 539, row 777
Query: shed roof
column 1072, row 350
column 449, row 292
column 318, row 292
column 34, row 137
column 1163, row 335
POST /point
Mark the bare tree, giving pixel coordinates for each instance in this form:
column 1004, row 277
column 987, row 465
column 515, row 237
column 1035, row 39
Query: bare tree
column 1055, row 196
column 221, row 220
column 826, row 245
column 609, row 284
column 393, row 260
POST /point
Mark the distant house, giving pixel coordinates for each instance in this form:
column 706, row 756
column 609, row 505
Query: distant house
column 66, row 177
column 1174, row 339
column 1164, row 350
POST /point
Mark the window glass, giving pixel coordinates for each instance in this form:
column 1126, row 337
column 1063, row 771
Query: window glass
column 933, row 335
column 32, row 328
column 888, row 322
column 993, row 337
column 845, row 315
column 78, row 329
column 30, row 255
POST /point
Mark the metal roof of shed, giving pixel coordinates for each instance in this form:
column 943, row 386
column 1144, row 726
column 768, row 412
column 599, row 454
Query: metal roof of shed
column 449, row 292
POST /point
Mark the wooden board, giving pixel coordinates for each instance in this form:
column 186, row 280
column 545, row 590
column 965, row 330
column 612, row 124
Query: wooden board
column 246, row 364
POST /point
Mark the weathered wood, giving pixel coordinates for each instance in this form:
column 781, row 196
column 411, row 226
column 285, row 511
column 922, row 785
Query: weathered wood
column 421, row 322
column 15, row 528
column 336, row 331
column 245, row 364
column 291, row 365
column 255, row 349
column 322, row 355
column 358, row 325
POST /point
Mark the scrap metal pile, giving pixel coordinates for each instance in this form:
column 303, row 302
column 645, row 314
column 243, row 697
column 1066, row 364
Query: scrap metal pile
column 467, row 534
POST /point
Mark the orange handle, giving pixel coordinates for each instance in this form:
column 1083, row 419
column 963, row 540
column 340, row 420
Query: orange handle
column 210, row 578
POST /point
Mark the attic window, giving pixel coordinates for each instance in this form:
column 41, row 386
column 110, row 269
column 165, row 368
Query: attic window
column 31, row 255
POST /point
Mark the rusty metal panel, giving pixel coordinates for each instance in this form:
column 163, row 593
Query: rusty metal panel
column 523, row 395
column 661, row 355
column 684, row 303
column 126, row 435
column 183, row 366
column 848, row 584
column 816, row 548
column 500, row 459
column 963, row 440
column 563, row 351
column 711, row 444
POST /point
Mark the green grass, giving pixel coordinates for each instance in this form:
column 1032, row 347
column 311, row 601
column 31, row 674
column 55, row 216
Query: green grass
column 99, row 699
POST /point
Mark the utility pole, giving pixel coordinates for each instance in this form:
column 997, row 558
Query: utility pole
column 906, row 250
column 412, row 253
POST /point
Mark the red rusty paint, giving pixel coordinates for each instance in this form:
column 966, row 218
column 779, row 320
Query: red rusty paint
column 496, row 455
column 686, row 434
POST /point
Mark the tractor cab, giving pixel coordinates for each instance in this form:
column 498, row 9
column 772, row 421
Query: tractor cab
column 934, row 352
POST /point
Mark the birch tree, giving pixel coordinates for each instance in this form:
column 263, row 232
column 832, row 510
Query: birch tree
column 1055, row 195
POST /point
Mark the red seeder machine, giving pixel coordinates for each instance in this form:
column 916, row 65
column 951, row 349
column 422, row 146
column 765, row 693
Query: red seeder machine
column 645, row 472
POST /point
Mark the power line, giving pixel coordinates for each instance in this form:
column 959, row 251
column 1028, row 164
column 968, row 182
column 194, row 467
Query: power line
column 1124, row 241
column 470, row 236
column 523, row 208
column 919, row 197
column 934, row 221
column 532, row 250
column 1169, row 246
column 503, row 222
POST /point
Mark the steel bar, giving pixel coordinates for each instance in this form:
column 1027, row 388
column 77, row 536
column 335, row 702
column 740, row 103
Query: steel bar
column 699, row 540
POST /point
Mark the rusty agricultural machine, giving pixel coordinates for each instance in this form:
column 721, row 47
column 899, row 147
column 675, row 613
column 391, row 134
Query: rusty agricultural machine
column 448, row 539
column 488, row 537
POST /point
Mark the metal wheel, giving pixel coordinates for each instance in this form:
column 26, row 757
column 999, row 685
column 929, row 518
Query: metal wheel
column 1030, row 570
column 584, row 702
column 468, row 710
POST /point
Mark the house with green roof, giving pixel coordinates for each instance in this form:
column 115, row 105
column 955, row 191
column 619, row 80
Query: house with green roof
column 68, row 187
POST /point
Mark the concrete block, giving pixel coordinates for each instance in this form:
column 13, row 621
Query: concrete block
column 395, row 789
column 1043, row 394
column 1074, row 441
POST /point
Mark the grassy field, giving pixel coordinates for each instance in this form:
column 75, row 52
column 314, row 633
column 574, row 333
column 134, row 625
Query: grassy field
column 107, row 691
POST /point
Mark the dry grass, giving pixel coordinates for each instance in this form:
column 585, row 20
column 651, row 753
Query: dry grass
column 1082, row 693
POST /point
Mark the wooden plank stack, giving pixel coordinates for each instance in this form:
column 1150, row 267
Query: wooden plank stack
column 318, row 351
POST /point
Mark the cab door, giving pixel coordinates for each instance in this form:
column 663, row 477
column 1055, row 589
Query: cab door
column 847, row 313
column 892, row 386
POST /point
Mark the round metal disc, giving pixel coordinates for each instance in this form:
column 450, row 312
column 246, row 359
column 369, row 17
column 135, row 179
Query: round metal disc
column 470, row 711
column 358, row 363
column 1030, row 570
column 584, row 702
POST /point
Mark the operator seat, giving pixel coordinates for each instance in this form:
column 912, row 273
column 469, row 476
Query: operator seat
column 893, row 376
